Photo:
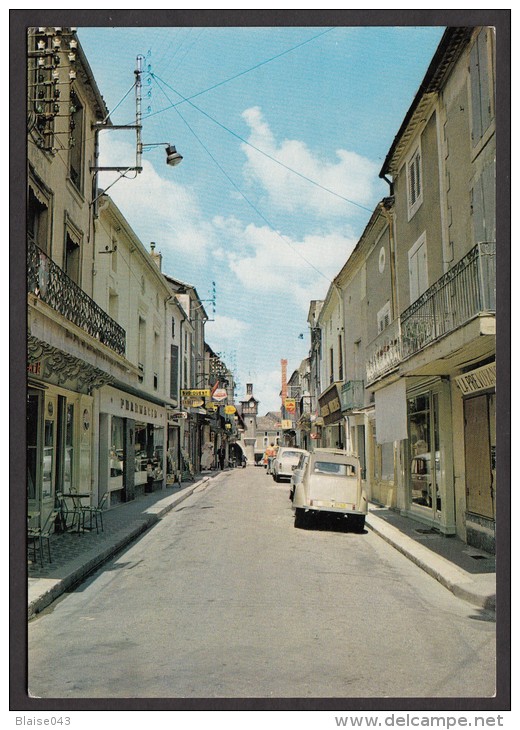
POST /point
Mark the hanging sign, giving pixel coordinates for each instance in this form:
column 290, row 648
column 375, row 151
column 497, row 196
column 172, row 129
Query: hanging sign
column 220, row 394
column 229, row 410
column 194, row 393
column 290, row 405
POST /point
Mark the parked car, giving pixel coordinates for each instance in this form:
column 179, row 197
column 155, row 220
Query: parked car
column 297, row 473
column 286, row 458
column 330, row 484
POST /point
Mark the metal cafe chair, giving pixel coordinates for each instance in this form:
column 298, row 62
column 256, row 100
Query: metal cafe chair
column 36, row 536
column 70, row 508
column 96, row 512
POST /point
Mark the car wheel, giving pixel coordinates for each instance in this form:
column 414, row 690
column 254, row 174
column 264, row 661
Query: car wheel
column 300, row 518
column 276, row 477
column 357, row 522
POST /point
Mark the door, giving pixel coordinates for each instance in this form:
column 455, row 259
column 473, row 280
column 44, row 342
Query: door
column 480, row 496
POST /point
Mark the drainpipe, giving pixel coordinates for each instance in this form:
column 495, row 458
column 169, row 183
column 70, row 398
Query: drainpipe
column 388, row 215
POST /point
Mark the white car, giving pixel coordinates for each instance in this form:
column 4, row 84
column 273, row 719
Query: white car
column 331, row 484
column 286, row 458
column 297, row 474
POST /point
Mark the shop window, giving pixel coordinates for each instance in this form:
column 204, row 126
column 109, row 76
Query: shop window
column 424, row 451
column 32, row 420
column 117, row 447
column 49, row 447
column 68, row 456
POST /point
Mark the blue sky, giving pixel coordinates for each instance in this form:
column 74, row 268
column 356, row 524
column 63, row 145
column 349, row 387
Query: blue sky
column 249, row 108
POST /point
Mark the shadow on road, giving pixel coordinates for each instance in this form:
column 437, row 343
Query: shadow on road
column 331, row 523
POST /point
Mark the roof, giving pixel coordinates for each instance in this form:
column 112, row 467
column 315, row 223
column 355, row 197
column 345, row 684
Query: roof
column 448, row 51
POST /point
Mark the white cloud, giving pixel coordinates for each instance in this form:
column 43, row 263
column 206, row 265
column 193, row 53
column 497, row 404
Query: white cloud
column 349, row 175
column 161, row 209
column 264, row 261
column 224, row 330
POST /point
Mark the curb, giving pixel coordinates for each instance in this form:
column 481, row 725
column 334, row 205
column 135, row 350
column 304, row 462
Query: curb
column 77, row 576
column 450, row 576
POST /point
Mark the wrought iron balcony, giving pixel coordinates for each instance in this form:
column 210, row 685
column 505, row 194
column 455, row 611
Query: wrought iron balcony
column 466, row 290
column 384, row 353
column 352, row 395
column 47, row 281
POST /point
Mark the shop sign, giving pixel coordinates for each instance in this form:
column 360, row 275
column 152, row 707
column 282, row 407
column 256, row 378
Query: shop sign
column 188, row 402
column 219, row 394
column 177, row 415
column 477, row 380
column 212, row 407
column 138, row 408
column 229, row 410
column 287, row 424
column 290, row 405
column 194, row 393
column 330, row 406
column 34, row 368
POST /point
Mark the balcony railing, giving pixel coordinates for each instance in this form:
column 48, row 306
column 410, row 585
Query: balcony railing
column 50, row 283
column 466, row 290
column 384, row 353
column 352, row 395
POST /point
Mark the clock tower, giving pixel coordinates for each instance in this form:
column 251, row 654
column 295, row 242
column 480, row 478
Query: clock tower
column 249, row 410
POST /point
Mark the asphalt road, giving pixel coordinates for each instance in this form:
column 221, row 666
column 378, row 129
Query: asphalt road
column 225, row 598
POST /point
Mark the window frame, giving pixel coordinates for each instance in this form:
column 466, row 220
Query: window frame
column 414, row 177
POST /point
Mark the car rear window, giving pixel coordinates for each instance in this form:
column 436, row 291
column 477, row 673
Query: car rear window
column 329, row 467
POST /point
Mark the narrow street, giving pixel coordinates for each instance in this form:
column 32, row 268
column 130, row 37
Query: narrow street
column 225, row 598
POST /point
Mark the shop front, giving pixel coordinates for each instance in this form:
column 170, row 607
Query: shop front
column 428, row 454
column 333, row 430
column 477, row 388
column 132, row 450
column 59, row 426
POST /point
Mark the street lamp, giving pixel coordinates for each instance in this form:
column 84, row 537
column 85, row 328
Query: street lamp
column 173, row 157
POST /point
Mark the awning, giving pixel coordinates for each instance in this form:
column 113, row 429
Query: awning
column 391, row 419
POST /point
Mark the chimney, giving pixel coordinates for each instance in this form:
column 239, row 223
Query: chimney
column 156, row 257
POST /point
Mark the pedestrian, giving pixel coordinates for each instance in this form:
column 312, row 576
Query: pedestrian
column 270, row 452
column 150, row 476
column 221, row 453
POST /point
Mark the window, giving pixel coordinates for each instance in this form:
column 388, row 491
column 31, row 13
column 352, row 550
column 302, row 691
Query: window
column 340, row 346
column 482, row 101
column 76, row 140
column 383, row 317
column 418, row 268
column 331, row 379
column 483, row 205
column 174, row 371
column 72, row 256
column 141, row 355
column 38, row 219
column 414, row 173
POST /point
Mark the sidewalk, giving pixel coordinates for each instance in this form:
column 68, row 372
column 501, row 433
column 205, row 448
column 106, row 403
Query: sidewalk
column 468, row 573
